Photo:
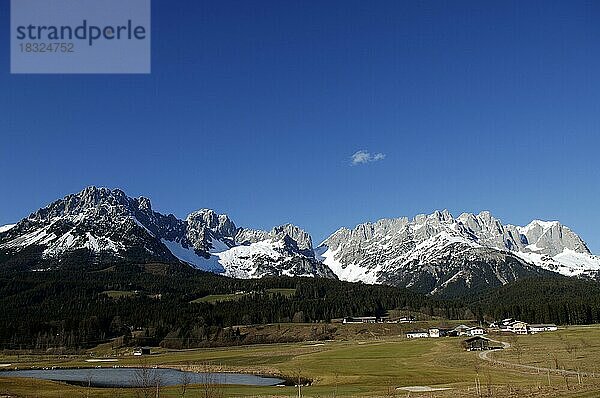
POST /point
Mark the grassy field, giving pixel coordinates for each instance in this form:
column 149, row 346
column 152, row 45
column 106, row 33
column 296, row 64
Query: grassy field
column 576, row 349
column 283, row 292
column 366, row 366
column 215, row 298
column 118, row 293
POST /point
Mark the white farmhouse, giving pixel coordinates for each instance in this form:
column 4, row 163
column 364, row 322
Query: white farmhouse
column 417, row 334
column 476, row 331
column 518, row 327
column 461, row 330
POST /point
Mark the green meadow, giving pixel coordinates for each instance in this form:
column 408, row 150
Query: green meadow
column 375, row 367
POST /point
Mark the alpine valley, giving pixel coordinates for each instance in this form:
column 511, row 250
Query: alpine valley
column 435, row 254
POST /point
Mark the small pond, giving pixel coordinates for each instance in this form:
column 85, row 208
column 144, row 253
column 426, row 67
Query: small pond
column 135, row 377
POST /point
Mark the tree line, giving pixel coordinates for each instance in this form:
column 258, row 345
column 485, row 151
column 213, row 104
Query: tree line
column 74, row 309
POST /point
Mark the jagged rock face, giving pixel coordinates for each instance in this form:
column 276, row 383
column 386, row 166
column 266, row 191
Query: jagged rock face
column 276, row 255
column 489, row 231
column 286, row 250
column 246, row 236
column 107, row 225
column 437, row 252
column 97, row 220
column 301, row 237
column 298, row 235
column 551, row 238
column 296, row 238
column 205, row 226
column 458, row 268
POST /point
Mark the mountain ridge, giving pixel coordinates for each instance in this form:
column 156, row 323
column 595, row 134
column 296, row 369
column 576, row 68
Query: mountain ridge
column 107, row 225
column 432, row 253
column 393, row 249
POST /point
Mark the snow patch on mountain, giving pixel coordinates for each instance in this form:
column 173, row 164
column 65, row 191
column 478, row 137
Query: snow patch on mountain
column 39, row 236
column 578, row 263
column 346, row 272
column 7, row 227
column 545, row 225
column 237, row 262
column 70, row 242
column 218, row 246
column 240, row 260
column 568, row 262
column 189, row 255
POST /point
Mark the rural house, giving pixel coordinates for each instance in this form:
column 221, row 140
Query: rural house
column 417, row 334
column 460, row 330
column 434, row 332
column 476, row 343
column 518, row 327
column 476, row 331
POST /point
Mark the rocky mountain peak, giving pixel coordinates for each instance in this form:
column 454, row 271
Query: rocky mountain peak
column 551, row 238
column 144, row 204
column 245, row 236
column 101, row 224
column 93, row 201
column 218, row 224
column 301, row 237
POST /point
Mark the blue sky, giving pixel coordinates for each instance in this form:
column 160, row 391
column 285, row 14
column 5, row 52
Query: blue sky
column 256, row 109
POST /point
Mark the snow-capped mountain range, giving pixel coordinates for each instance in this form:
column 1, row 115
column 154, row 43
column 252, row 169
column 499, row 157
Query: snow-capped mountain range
column 103, row 225
column 438, row 252
column 433, row 253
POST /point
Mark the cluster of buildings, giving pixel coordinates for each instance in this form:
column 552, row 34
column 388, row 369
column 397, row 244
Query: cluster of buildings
column 377, row 319
column 460, row 330
column 510, row 325
column 505, row 326
column 474, row 342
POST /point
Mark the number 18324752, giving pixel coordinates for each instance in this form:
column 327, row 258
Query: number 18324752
column 47, row 47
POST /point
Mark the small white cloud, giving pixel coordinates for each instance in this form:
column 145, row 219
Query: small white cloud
column 364, row 157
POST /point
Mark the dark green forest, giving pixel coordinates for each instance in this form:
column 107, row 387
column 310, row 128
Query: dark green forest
column 71, row 309
column 560, row 300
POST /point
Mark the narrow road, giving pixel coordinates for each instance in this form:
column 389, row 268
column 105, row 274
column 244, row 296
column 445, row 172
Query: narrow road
column 484, row 355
